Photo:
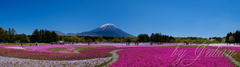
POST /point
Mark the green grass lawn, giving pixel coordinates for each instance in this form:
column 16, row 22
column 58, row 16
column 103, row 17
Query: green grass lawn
column 57, row 49
column 192, row 46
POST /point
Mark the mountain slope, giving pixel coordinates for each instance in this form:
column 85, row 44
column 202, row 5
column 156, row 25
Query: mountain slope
column 106, row 30
column 59, row 33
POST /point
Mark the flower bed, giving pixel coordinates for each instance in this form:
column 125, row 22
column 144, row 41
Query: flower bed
column 46, row 48
column 161, row 56
column 17, row 62
column 18, row 53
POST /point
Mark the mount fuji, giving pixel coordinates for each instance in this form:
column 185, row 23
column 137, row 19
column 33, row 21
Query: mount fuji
column 106, row 30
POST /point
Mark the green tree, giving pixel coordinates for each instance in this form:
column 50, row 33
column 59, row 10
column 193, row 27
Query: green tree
column 60, row 38
column 129, row 40
column 2, row 35
column 143, row 38
column 54, row 36
column 223, row 40
column 7, row 36
column 231, row 39
column 172, row 40
column 152, row 37
column 35, row 36
column 22, row 38
column 104, row 40
column 13, row 35
column 227, row 37
column 42, row 36
column 89, row 40
column 237, row 36
column 74, row 38
column 67, row 39
column 48, row 36
column 178, row 40
column 116, row 40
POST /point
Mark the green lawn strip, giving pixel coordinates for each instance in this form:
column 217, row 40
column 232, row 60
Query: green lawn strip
column 235, row 58
column 220, row 50
column 89, row 47
column 103, row 64
column 81, row 48
column 227, row 50
column 112, row 60
column 57, row 49
column 192, row 46
column 165, row 46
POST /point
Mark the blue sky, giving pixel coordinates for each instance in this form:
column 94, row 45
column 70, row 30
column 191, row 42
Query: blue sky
column 178, row 18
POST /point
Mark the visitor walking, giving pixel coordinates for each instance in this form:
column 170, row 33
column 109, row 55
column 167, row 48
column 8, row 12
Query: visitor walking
column 22, row 44
column 36, row 44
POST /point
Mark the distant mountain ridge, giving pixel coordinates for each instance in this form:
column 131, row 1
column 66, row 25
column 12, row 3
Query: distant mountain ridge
column 59, row 33
column 105, row 30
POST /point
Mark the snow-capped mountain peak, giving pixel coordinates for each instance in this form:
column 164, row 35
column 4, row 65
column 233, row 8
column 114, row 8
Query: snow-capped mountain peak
column 108, row 25
column 106, row 30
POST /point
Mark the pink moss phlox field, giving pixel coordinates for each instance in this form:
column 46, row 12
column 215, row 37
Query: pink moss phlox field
column 18, row 53
column 161, row 57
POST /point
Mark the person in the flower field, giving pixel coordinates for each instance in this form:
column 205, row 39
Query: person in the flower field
column 22, row 44
column 36, row 43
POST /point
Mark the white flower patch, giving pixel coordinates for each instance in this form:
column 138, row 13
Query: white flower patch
column 18, row 62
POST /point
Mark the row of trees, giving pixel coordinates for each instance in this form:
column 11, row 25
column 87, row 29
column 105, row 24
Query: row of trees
column 233, row 37
column 157, row 37
column 11, row 36
column 76, row 38
column 44, row 36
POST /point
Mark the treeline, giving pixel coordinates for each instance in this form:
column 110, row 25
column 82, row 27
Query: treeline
column 10, row 36
column 157, row 37
column 200, row 40
column 233, row 37
column 76, row 38
column 44, row 36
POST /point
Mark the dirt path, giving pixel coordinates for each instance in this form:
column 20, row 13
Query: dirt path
column 114, row 56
